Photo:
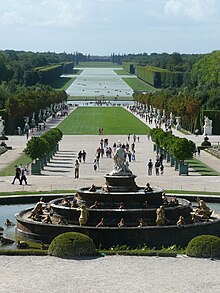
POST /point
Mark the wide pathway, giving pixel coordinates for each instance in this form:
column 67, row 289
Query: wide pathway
column 59, row 174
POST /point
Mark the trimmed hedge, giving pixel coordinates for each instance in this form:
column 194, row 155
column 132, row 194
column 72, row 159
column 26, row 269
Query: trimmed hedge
column 159, row 77
column 129, row 67
column 72, row 244
column 204, row 246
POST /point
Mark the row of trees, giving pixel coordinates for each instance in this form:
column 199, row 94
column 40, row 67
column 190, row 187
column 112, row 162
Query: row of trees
column 40, row 149
column 172, row 62
column 180, row 148
column 29, row 100
column 183, row 105
column 18, row 66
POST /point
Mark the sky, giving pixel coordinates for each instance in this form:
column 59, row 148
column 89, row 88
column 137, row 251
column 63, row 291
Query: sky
column 103, row 27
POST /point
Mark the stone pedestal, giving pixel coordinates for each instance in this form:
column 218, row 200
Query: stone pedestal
column 120, row 183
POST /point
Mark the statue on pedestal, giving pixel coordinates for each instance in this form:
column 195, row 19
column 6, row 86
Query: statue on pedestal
column 207, row 126
column 120, row 164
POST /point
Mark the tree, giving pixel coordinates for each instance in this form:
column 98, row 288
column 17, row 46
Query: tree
column 36, row 148
column 182, row 149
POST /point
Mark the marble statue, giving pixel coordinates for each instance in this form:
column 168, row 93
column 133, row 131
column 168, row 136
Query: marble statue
column 207, row 126
column 119, row 157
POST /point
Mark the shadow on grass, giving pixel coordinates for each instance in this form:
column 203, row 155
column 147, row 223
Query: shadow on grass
column 202, row 169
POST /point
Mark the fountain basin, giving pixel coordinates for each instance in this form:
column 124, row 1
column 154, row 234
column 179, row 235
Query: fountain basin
column 112, row 214
column 151, row 236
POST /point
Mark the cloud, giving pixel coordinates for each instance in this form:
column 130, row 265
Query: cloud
column 11, row 18
column 43, row 13
column 193, row 9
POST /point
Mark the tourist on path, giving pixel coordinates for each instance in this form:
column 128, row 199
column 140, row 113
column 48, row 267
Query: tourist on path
column 77, row 169
column 150, row 167
column 84, row 156
column 24, row 172
column 17, row 174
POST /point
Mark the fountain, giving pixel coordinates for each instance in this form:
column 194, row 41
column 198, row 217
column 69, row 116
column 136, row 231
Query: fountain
column 119, row 213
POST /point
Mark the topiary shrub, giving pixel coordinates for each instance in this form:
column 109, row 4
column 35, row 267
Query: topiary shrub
column 206, row 143
column 71, row 244
column 205, row 246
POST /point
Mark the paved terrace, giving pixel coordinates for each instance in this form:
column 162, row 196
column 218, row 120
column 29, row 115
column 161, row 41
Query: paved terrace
column 59, row 174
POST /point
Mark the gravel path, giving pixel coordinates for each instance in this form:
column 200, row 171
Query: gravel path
column 119, row 274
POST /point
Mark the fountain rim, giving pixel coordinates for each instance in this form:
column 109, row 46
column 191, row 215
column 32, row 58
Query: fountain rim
column 187, row 203
column 19, row 218
column 140, row 191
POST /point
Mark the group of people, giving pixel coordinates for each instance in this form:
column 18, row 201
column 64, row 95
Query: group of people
column 158, row 165
column 81, row 158
column 21, row 173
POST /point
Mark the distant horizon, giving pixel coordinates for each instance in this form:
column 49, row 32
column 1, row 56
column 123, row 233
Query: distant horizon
column 108, row 55
column 103, row 27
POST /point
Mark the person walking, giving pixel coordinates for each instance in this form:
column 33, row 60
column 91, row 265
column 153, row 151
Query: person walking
column 157, row 167
column 76, row 169
column 150, row 167
column 161, row 169
column 95, row 164
column 80, row 156
column 24, row 172
column 17, row 174
column 84, row 156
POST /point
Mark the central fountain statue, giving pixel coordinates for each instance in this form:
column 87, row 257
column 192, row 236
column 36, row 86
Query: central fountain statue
column 120, row 164
column 120, row 178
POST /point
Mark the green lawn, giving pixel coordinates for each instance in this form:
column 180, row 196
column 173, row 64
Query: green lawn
column 121, row 72
column 201, row 168
column 138, row 85
column 10, row 169
column 97, row 64
column 114, row 120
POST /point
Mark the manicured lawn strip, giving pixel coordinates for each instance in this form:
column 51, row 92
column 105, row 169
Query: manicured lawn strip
column 12, row 193
column 138, row 85
column 10, row 169
column 62, row 83
column 121, row 72
column 36, row 252
column 201, row 168
column 192, row 192
column 97, row 65
column 114, row 120
column 101, row 253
